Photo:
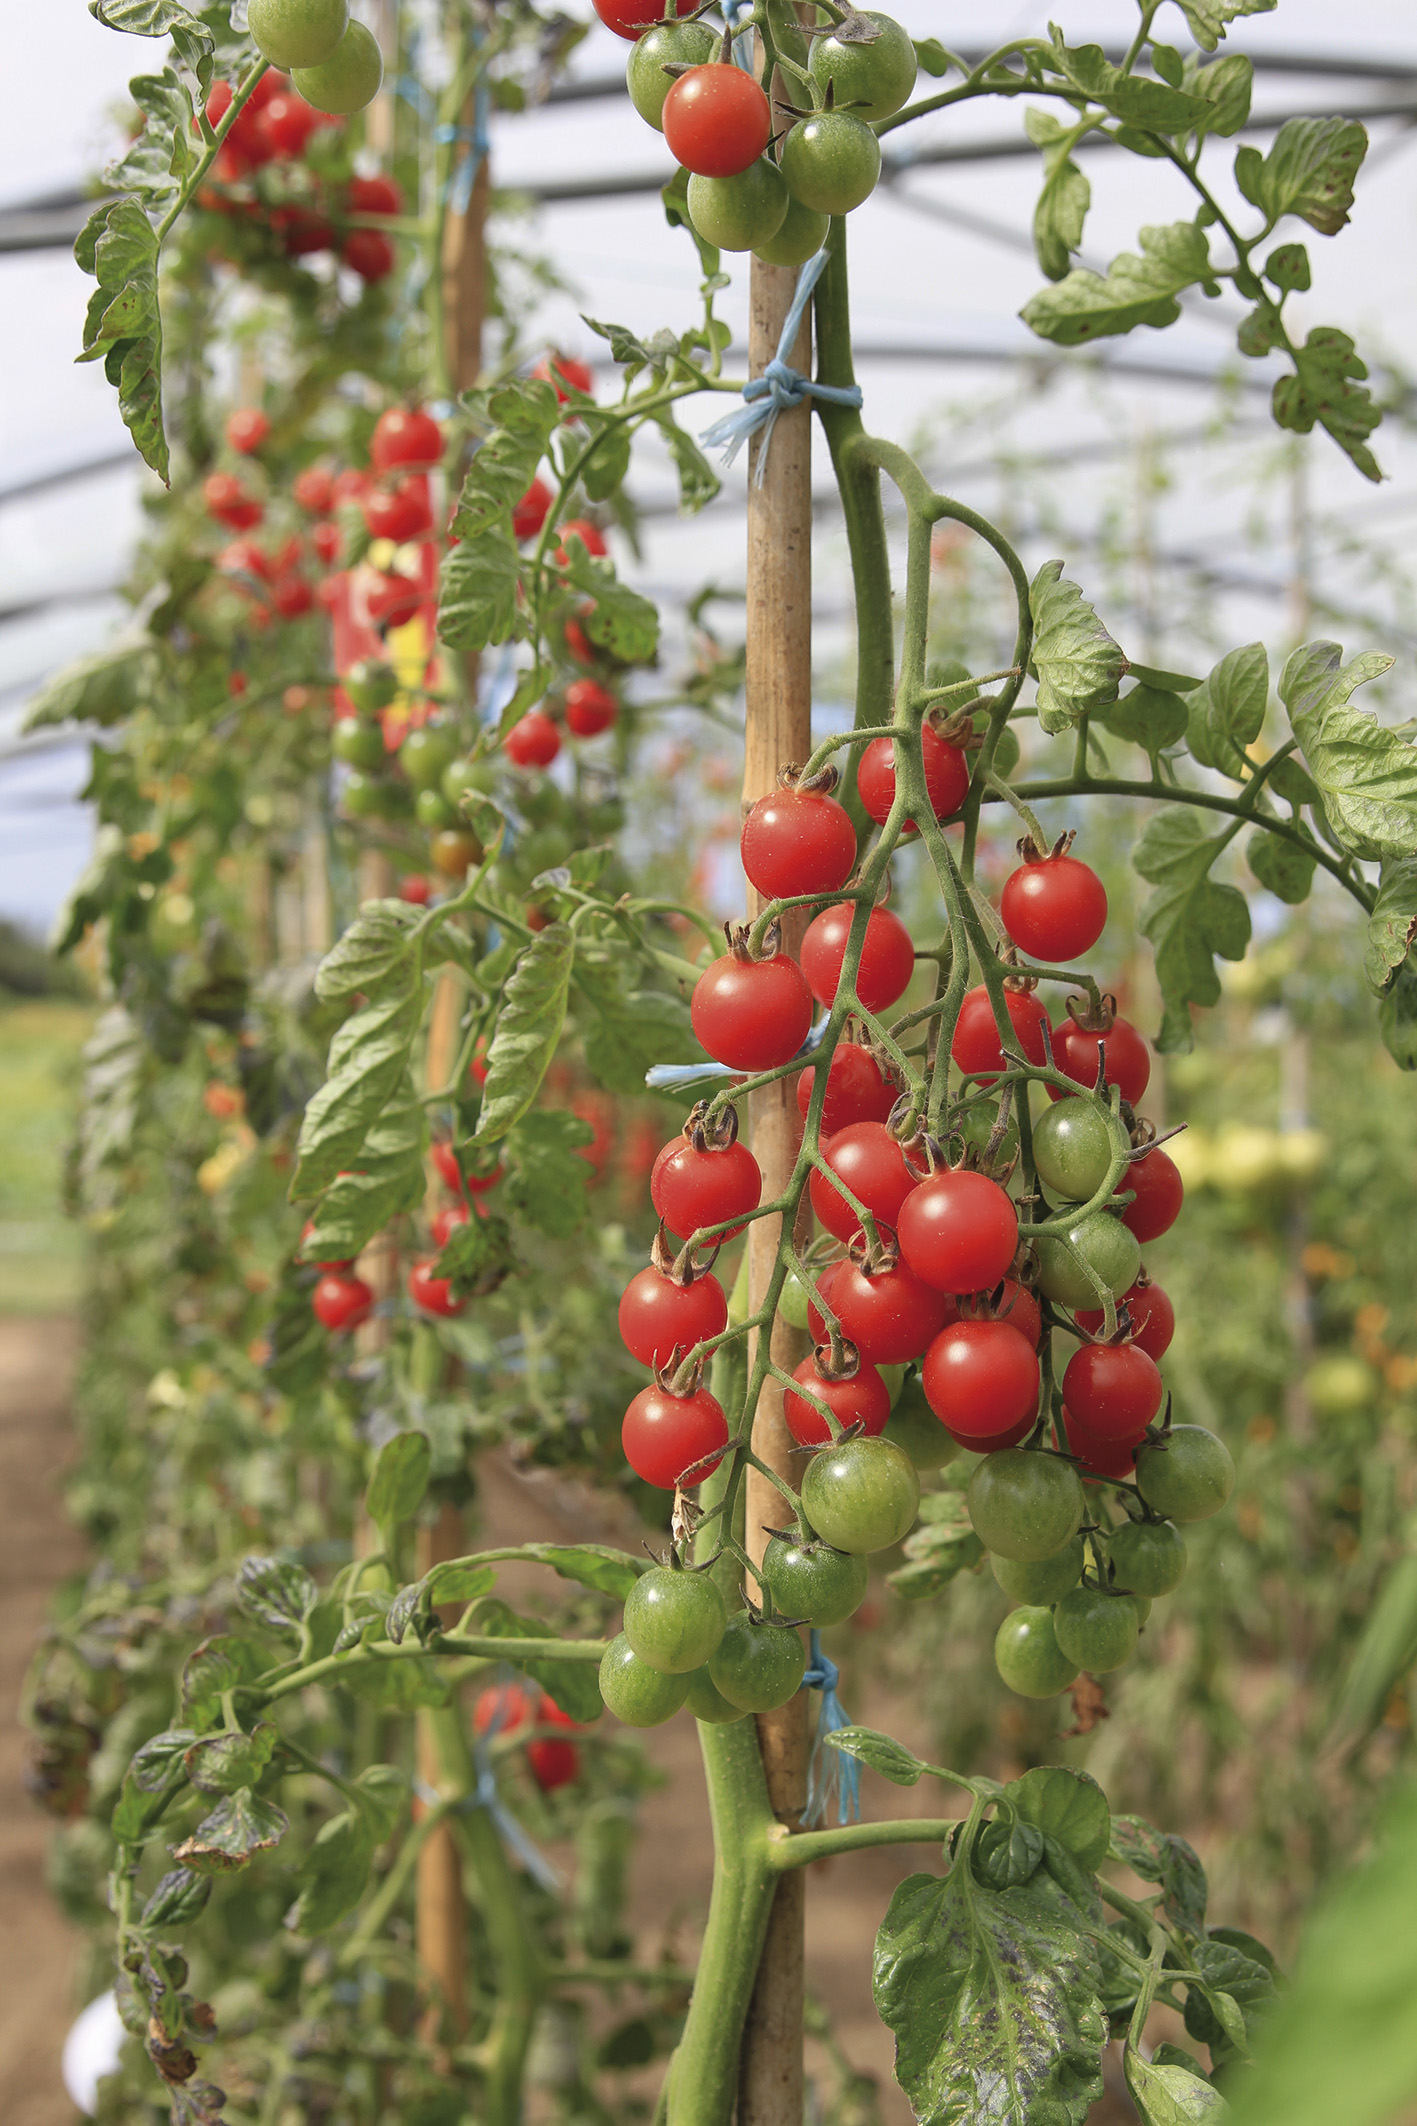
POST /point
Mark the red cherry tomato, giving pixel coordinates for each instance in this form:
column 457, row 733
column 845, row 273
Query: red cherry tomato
column 663, row 1436
column 247, row 429
column 981, row 1378
column 887, row 957
column 405, row 438
column 400, row 513
column 432, row 1295
column 1113, row 1390
column 1019, row 1306
column 227, row 500
column 348, row 487
column 443, row 1224
column 553, row 1763
column 863, row 1400
column 716, row 120
column 890, row 1315
column 244, row 558
column 1099, row 1457
column 531, row 512
column 996, row 1441
column 302, row 232
column 976, row 1047
column 292, row 596
column 342, row 1302
column 590, row 536
column 314, row 490
column 816, row 1319
column 532, row 743
column 328, row 542
column 287, row 123
column 958, row 1232
column 306, row 1230
column 631, row 18
column 565, row 369
column 578, row 644
column 1054, row 908
column 453, row 1174
column 1160, row 1192
column 691, row 1188
column 858, row 1090
column 659, row 1317
column 752, row 1014
column 798, row 841
column 416, row 888
column 1127, row 1061
column 393, row 599
column 374, row 195
column 369, row 253
column 871, row 1163
column 590, row 708
column 1152, row 1315
column 946, row 776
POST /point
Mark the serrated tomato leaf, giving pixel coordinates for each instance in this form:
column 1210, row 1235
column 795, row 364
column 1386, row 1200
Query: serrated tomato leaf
column 1189, row 918
column 240, row 1826
column 1078, row 664
column 527, row 1031
column 1138, row 289
column 1366, row 775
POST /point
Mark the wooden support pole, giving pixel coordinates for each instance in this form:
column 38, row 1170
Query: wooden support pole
column 779, row 725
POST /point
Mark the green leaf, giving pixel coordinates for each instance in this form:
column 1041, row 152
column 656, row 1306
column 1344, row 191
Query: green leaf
column 456, row 1580
column 389, row 1180
column 1208, row 20
column 104, row 689
column 1385, row 1652
column 381, row 1791
column 675, row 198
column 216, row 1666
column 274, row 1593
column 178, row 1899
column 477, row 592
column 595, row 1565
column 1164, row 1858
column 1170, row 2096
column 379, row 947
column 1007, row 1851
column 160, row 1760
column 1070, row 1806
column 1136, row 291
column 398, row 1482
column 240, row 1826
column 404, row 1686
column 334, row 1875
column 1392, row 924
column 165, row 149
column 620, row 621
column 1077, row 662
column 1225, row 86
column 478, row 1256
column 1323, row 389
column 527, row 1031
column 1397, row 1019
column 1188, row 919
column 225, row 1762
column 993, row 1998
column 367, row 1066
column 547, row 1182
column 1287, row 268
column 939, row 1550
column 123, row 327
column 1149, row 717
column 698, row 482
column 1061, row 212
column 1309, row 171
column 932, row 57
column 572, row 1684
column 881, row 1752
column 1366, row 776
column 1130, row 97
column 631, row 1031
column 604, row 471
column 1227, row 712
column 1150, row 675
column 1283, row 870
column 522, row 416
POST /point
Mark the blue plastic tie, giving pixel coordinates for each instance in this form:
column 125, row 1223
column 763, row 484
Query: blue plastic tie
column 831, row 1774
column 476, row 138
column 669, row 1077
column 779, row 388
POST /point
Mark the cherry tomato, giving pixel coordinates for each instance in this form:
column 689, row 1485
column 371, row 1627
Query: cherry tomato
column 369, row 253
column 798, row 841
column 247, row 429
column 873, row 80
column 454, row 851
column 297, row 32
column 1054, row 908
column 1099, row 1457
column 1149, row 1557
column 1073, row 1147
column 1019, row 1306
column 1113, row 1390
column 314, row 489
column 739, row 213
column 659, row 1317
column 629, row 18
column 1126, row 1061
column 830, row 161
column 667, row 44
column 376, row 195
column 393, row 599
column 870, row 1161
column 227, row 500
column 432, row 1295
column 565, row 369
column 800, row 235
column 348, row 80
column 861, row 1494
column 1189, row 1477
column 665, row 1435
column 1104, row 1246
column 405, row 438
column 590, row 708
column 531, row 512
column 674, row 1619
column 946, row 776
column 887, row 956
column 758, row 1664
column 1096, row 1629
column 1025, row 1503
column 455, row 1176
column 244, row 558
column 858, row 1090
column 994, row 1442
column 958, row 1231
column 691, row 1188
column 716, row 120
column 1028, row 1656
column 443, row 1224
column 534, row 742
column 981, row 1378
column 1153, row 1318
column 1042, row 1579
column 864, row 1400
column 302, row 232
column 348, row 488
column 890, row 1315
column 590, row 536
column 328, row 542
column 813, row 1581
column 287, row 122
column 342, row 1302
column 752, row 1014
column 291, row 596
column 399, row 513
column 426, row 753
column 976, row 1047
column 1160, row 1193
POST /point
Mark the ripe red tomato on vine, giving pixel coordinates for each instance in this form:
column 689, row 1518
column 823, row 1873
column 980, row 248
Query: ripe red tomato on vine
column 716, row 120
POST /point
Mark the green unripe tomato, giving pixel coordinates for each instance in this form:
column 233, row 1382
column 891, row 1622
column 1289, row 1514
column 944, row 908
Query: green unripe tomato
column 1148, row 1557
column 349, row 79
column 426, row 754
column 674, row 1620
column 1073, row 1148
column 297, row 32
column 792, row 1301
column 366, row 797
column 758, row 1666
column 875, row 80
column 639, row 1695
column 1028, row 1656
column 812, row 1581
column 739, row 213
column 830, row 162
column 371, row 685
column 1025, row 1503
column 1096, row 1629
column 707, row 1702
column 667, row 44
column 463, row 775
column 358, row 745
column 432, row 810
column 801, row 237
column 894, row 1378
column 1044, row 1580
column 1105, row 1244
column 976, row 1123
column 1142, row 1605
column 1190, row 1477
column 861, row 1495
column 913, row 1425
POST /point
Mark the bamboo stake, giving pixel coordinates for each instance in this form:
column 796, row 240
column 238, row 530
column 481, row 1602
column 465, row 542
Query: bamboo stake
column 779, row 720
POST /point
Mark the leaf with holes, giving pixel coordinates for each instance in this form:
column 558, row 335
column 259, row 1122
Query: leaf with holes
column 1189, row 918
column 1078, row 664
column 1137, row 290
column 1366, row 775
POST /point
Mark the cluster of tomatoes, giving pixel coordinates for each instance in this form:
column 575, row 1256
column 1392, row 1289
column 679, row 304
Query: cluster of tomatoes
column 265, row 176
column 755, row 183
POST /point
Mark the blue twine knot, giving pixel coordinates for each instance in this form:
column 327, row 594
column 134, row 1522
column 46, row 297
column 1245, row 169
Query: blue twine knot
column 779, row 388
column 669, row 1077
column 831, row 1774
